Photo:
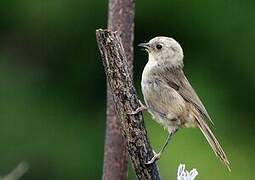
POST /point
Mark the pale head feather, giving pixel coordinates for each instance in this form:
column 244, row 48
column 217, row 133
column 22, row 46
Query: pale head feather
column 165, row 50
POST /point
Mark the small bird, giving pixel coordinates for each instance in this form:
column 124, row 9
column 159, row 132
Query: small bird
column 169, row 97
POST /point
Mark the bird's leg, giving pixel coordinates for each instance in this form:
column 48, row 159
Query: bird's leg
column 141, row 108
column 157, row 155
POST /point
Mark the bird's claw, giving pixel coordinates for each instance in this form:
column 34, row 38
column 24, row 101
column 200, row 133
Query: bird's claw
column 155, row 158
column 139, row 109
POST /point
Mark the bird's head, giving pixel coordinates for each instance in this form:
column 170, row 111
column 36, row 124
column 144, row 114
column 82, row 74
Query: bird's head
column 164, row 50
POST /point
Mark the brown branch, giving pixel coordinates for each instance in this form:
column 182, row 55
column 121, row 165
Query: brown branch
column 17, row 172
column 121, row 19
column 125, row 100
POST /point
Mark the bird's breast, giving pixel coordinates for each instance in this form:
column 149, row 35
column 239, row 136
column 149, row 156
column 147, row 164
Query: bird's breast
column 165, row 104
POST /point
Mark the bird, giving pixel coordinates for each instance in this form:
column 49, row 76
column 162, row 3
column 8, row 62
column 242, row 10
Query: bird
column 170, row 98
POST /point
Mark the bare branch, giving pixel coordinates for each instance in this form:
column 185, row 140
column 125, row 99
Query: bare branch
column 121, row 19
column 17, row 172
column 125, row 100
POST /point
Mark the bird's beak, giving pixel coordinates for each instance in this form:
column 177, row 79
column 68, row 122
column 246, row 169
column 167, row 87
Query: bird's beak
column 144, row 45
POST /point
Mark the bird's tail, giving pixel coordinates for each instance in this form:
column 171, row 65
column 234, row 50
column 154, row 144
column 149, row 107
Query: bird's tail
column 212, row 140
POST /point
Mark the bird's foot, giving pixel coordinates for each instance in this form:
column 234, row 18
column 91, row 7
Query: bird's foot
column 154, row 158
column 141, row 108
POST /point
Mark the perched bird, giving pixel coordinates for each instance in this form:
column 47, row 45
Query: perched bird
column 168, row 95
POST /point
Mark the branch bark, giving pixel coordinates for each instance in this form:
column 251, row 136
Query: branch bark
column 125, row 100
column 121, row 19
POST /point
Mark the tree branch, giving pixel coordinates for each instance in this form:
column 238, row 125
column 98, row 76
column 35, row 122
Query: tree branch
column 121, row 19
column 125, row 100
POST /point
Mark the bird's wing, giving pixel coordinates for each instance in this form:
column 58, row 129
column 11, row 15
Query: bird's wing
column 177, row 80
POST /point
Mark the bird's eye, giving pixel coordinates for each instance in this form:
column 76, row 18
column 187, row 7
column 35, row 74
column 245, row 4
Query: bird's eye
column 158, row 46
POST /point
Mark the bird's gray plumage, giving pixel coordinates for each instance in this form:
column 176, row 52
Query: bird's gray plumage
column 176, row 79
column 168, row 94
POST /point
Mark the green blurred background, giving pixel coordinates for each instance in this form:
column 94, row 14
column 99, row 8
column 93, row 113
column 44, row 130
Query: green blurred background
column 52, row 84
